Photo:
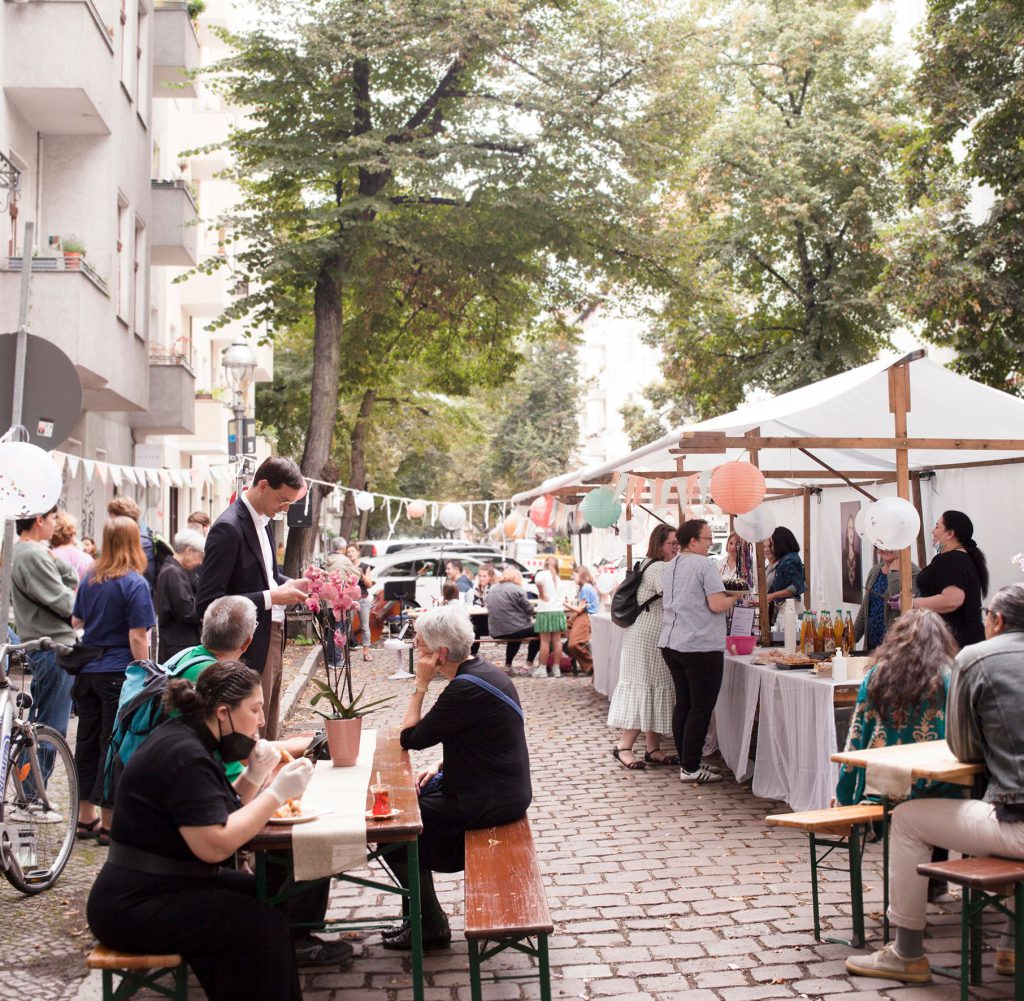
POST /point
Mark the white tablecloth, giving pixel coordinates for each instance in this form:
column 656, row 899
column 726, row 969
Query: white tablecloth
column 606, row 643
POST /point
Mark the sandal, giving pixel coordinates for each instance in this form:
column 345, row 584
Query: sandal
column 366, row 654
column 87, row 832
column 665, row 759
column 103, row 837
column 634, row 765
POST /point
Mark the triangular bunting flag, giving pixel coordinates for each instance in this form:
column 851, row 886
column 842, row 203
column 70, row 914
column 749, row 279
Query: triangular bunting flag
column 102, row 469
column 89, row 467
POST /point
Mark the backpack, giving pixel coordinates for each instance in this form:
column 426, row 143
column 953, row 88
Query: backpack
column 626, row 608
column 141, row 708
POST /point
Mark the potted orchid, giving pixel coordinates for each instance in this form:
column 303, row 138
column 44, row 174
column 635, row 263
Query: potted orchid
column 344, row 723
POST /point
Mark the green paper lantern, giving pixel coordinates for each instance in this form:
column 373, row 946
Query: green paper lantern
column 600, row 508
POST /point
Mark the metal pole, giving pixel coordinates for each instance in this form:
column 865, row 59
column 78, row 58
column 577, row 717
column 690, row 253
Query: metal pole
column 17, row 404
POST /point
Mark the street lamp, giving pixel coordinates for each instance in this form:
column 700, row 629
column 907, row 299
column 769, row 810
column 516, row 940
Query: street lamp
column 239, row 365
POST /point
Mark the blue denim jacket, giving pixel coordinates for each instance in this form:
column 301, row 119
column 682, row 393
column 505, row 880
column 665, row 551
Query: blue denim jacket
column 789, row 571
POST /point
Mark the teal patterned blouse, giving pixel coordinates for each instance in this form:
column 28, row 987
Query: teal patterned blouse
column 909, row 725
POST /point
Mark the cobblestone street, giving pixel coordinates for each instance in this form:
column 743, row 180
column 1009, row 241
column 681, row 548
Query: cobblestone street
column 657, row 891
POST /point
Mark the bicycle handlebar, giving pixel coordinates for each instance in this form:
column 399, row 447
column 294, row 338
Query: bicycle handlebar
column 43, row 643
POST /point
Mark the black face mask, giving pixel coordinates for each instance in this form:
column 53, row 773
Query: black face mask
column 233, row 746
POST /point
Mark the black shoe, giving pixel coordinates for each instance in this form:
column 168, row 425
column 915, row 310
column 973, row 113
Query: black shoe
column 402, row 939
column 313, row 951
column 938, row 892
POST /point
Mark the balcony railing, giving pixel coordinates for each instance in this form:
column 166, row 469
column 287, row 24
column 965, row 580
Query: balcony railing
column 57, row 264
column 160, row 355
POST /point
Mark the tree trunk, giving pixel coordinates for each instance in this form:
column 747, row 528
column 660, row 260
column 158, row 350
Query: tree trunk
column 357, row 465
column 323, row 406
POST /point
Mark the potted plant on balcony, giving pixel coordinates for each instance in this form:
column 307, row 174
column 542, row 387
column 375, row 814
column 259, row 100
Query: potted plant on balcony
column 74, row 251
column 344, row 723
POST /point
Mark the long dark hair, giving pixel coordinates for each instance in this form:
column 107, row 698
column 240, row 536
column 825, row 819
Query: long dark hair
column 917, row 650
column 963, row 528
column 226, row 683
column 783, row 542
column 657, row 540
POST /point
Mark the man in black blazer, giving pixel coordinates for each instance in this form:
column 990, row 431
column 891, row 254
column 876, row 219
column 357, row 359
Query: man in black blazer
column 240, row 558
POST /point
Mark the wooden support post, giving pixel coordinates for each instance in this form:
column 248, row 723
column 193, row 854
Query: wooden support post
column 807, row 548
column 899, row 405
column 915, row 485
column 680, row 466
column 762, row 584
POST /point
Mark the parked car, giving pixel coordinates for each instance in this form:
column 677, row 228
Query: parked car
column 385, row 547
column 426, row 566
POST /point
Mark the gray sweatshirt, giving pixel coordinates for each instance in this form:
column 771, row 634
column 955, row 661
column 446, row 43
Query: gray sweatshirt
column 43, row 593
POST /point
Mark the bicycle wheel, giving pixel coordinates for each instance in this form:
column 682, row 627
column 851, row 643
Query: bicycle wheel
column 39, row 836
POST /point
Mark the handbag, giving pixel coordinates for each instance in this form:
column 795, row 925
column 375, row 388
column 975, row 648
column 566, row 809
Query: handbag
column 78, row 656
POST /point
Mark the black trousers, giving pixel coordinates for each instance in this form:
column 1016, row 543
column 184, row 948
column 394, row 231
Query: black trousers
column 96, row 697
column 237, row 946
column 697, row 677
column 512, row 648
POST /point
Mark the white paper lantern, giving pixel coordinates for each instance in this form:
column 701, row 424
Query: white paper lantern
column 858, row 522
column 755, row 526
column 606, row 583
column 453, row 517
column 364, row 501
column 892, row 523
column 30, row 483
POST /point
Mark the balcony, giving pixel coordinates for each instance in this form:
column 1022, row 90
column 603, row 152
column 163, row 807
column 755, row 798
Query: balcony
column 175, row 51
column 171, row 395
column 174, row 236
column 56, row 94
column 73, row 309
column 207, row 128
column 208, row 295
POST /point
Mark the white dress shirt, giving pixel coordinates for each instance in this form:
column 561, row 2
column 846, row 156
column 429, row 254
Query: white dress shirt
column 261, row 521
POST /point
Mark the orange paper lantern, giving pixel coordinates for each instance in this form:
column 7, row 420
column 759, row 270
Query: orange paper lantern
column 737, row 487
column 540, row 510
column 511, row 526
column 415, row 509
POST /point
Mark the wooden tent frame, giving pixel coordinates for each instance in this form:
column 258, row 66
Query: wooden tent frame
column 908, row 485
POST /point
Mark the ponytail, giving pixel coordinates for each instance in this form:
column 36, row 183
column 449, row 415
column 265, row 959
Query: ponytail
column 963, row 528
column 228, row 682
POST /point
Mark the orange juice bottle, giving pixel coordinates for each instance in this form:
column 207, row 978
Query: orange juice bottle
column 807, row 633
column 828, row 634
column 848, row 641
column 840, row 629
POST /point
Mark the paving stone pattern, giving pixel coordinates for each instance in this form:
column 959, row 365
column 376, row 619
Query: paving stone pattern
column 658, row 891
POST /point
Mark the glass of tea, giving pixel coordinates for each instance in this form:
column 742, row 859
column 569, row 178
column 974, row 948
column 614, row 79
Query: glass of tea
column 381, row 800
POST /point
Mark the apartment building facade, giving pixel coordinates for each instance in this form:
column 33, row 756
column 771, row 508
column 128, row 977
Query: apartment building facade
column 98, row 104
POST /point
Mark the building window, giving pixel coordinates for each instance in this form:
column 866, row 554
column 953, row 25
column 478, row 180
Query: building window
column 141, row 76
column 125, row 242
column 139, row 279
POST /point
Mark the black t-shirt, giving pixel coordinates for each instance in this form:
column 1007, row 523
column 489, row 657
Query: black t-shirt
column 486, row 762
column 171, row 781
column 956, row 569
column 363, row 589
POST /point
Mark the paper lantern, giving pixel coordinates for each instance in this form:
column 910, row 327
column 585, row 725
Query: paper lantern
column 600, row 508
column 606, row 582
column 29, row 481
column 415, row 509
column 756, row 525
column 858, row 522
column 452, row 517
column 892, row 523
column 540, row 510
column 737, row 487
column 510, row 526
column 364, row 501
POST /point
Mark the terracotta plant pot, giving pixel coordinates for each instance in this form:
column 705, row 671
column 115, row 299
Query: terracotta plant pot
column 343, row 740
column 72, row 260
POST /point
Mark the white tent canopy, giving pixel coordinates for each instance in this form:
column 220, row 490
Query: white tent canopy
column 943, row 405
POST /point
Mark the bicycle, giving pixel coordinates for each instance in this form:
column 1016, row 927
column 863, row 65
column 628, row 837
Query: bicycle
column 39, row 809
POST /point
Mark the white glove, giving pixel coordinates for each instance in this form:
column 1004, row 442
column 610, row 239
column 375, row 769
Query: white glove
column 291, row 781
column 262, row 759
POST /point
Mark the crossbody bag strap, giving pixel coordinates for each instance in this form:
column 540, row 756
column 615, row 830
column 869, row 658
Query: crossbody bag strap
column 488, row 687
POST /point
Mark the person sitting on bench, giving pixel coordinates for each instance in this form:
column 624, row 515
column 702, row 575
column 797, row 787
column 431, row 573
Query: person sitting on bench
column 510, row 617
column 985, row 692
column 484, row 777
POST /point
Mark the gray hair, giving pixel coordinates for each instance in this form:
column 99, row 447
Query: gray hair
column 189, row 538
column 1009, row 603
column 228, row 623
column 338, row 545
column 447, row 626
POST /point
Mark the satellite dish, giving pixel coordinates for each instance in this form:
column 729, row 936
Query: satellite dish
column 52, row 401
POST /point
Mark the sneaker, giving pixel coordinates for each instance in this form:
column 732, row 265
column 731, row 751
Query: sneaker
column 313, row 951
column 540, row 671
column 887, row 964
column 1006, row 962
column 702, row 776
column 34, row 813
column 556, row 672
column 711, row 767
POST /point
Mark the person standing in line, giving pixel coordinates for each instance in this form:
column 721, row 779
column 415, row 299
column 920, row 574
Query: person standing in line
column 550, row 622
column 126, row 507
column 62, row 544
column 587, row 603
column 115, row 609
column 956, row 580
column 89, row 546
column 365, row 601
column 199, row 521
column 175, row 598
column 692, row 641
column 43, row 594
column 240, row 559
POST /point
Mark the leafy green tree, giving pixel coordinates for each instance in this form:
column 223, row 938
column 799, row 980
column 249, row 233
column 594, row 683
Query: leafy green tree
column 665, row 409
column 964, row 279
column 778, row 205
column 425, row 176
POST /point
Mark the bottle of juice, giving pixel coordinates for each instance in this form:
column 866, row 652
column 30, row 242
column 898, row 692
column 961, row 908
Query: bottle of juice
column 848, row 640
column 840, row 629
column 807, row 633
column 828, row 634
column 818, row 645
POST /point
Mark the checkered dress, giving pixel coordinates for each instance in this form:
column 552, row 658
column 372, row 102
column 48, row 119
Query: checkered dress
column 644, row 697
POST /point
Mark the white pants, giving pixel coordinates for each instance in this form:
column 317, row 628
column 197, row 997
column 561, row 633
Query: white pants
column 963, row 825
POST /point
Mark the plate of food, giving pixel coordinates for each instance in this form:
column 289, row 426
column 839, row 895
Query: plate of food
column 291, row 812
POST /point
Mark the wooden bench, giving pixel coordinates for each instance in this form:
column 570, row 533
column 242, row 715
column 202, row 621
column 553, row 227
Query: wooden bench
column 986, row 881
column 505, row 902
column 840, row 828
column 138, row 971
